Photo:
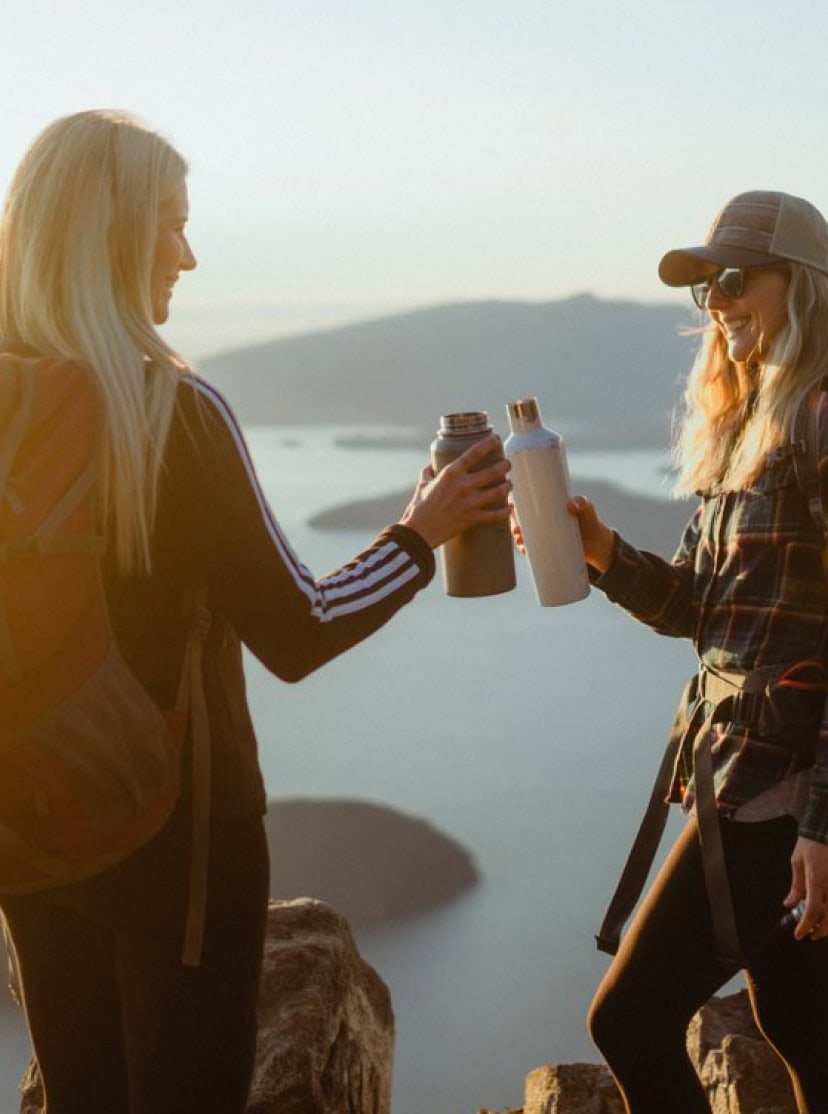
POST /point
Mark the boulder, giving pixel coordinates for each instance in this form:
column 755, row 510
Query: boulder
column 326, row 1027
column 740, row 1071
column 572, row 1089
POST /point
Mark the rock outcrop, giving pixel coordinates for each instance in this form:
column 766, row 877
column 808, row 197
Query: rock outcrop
column 572, row 1089
column 326, row 1037
column 739, row 1070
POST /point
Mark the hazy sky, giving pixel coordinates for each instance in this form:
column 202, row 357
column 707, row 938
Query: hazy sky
column 352, row 157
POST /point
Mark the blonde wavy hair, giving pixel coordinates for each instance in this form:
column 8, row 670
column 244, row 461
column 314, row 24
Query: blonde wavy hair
column 77, row 241
column 731, row 417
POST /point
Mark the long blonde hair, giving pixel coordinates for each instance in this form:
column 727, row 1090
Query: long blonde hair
column 732, row 417
column 77, row 241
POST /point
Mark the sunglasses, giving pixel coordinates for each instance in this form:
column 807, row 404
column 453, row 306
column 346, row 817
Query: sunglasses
column 731, row 282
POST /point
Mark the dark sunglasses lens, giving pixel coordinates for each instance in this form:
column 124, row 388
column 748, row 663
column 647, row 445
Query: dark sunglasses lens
column 731, row 282
column 700, row 292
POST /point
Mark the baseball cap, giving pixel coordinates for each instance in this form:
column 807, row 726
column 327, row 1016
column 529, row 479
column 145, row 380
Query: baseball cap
column 753, row 229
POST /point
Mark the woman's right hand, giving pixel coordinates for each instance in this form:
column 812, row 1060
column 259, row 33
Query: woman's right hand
column 597, row 538
column 461, row 495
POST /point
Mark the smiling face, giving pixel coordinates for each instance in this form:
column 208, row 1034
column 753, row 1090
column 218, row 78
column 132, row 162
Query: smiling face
column 750, row 322
column 172, row 252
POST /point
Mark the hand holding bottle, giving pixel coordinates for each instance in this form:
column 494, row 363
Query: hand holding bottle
column 461, row 495
column 597, row 538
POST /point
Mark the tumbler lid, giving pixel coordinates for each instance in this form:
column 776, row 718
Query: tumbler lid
column 524, row 414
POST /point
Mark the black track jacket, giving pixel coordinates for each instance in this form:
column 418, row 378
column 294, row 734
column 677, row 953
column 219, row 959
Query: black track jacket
column 215, row 527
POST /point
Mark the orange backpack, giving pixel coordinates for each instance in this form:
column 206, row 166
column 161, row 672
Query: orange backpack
column 89, row 765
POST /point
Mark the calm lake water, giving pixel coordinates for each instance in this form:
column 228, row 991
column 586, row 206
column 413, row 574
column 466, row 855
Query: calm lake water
column 528, row 734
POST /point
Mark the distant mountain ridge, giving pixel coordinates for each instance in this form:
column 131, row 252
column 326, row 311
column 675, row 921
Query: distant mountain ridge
column 606, row 372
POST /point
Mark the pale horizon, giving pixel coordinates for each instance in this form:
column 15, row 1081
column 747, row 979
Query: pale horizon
column 351, row 158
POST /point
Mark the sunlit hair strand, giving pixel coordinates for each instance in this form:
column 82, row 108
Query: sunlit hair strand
column 77, row 242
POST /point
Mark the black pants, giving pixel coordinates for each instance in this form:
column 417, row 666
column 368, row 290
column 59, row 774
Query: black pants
column 666, row 969
column 118, row 1025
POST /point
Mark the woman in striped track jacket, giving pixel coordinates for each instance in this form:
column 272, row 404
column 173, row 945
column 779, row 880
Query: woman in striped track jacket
column 92, row 242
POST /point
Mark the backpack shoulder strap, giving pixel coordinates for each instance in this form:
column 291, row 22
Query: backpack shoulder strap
column 191, row 697
column 17, row 397
column 645, row 845
column 805, row 446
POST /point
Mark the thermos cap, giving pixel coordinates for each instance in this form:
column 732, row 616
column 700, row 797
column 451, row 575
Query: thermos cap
column 465, row 421
column 524, row 414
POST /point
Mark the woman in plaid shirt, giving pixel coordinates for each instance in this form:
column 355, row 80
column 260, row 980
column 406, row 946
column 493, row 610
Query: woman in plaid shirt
column 747, row 584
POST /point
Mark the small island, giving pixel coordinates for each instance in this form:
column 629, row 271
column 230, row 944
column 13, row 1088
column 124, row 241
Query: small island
column 652, row 524
column 370, row 862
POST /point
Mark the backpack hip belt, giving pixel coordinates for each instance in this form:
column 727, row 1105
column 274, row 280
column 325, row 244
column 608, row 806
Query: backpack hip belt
column 723, row 697
column 711, row 697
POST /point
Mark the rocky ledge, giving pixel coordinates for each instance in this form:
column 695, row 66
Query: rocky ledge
column 326, row 1026
column 738, row 1069
column 326, row 1039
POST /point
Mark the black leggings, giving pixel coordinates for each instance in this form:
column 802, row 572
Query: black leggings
column 666, row 969
column 118, row 1025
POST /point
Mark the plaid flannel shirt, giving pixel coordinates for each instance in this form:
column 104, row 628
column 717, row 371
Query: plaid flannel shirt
column 748, row 586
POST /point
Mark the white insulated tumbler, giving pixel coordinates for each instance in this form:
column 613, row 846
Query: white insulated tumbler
column 540, row 491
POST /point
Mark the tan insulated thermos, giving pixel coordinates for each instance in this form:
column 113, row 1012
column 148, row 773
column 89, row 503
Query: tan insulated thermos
column 480, row 561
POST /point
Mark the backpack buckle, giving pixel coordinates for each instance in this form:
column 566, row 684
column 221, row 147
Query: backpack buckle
column 746, row 707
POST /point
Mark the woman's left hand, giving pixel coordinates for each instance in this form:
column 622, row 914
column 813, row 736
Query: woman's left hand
column 809, row 880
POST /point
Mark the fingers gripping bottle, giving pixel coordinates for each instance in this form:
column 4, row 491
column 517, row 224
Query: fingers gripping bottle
column 480, row 561
column 540, row 490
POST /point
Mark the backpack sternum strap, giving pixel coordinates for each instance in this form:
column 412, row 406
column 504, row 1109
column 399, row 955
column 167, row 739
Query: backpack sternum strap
column 20, row 549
